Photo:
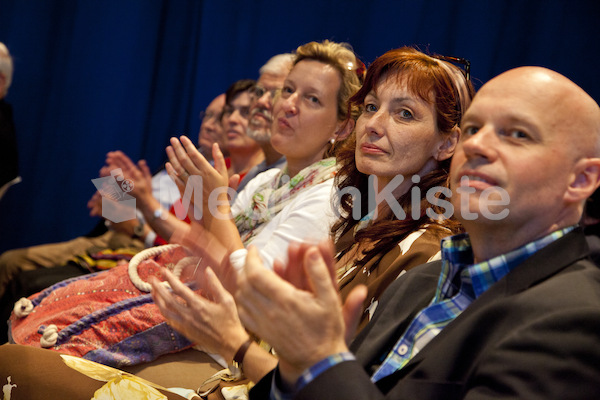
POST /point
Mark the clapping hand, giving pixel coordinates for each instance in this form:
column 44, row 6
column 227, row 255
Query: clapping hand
column 209, row 319
column 139, row 174
column 302, row 317
column 185, row 162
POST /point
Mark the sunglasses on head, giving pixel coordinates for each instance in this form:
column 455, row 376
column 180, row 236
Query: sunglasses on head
column 466, row 64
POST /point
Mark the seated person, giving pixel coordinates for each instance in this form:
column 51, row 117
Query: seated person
column 408, row 139
column 244, row 152
column 9, row 163
column 272, row 75
column 161, row 189
column 281, row 206
column 297, row 207
column 513, row 308
column 26, row 271
column 211, row 130
column 163, row 222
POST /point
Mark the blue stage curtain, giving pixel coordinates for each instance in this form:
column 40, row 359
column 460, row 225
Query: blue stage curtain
column 94, row 76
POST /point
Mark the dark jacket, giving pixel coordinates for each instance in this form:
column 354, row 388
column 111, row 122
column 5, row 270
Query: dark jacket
column 535, row 334
column 9, row 163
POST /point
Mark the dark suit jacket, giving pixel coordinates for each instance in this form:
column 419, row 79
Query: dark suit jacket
column 9, row 163
column 535, row 334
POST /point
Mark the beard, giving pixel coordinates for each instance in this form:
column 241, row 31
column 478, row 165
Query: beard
column 260, row 132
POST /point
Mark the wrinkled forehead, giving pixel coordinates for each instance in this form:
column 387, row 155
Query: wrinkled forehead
column 556, row 109
column 507, row 106
column 414, row 84
column 241, row 99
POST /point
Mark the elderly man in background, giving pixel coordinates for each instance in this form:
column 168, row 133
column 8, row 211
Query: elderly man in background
column 9, row 162
column 272, row 75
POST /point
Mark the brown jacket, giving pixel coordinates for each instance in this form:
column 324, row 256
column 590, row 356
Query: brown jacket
column 380, row 271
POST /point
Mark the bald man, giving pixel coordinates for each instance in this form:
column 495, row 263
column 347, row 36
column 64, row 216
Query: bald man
column 513, row 308
column 211, row 130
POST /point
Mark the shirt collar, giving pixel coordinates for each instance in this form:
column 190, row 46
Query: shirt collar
column 457, row 258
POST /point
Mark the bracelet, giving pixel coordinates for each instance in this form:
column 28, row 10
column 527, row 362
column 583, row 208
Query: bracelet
column 156, row 214
column 239, row 355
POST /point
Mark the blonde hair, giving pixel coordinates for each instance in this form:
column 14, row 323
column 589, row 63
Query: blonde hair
column 342, row 58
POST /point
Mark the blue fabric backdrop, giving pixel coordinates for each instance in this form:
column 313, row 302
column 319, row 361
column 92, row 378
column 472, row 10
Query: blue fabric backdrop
column 94, row 76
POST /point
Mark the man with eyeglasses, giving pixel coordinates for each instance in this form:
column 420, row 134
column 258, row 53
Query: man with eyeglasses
column 211, row 130
column 244, row 152
column 272, row 75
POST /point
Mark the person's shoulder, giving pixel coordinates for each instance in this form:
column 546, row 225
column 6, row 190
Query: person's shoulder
column 580, row 279
column 593, row 242
column 429, row 234
column 5, row 109
column 572, row 288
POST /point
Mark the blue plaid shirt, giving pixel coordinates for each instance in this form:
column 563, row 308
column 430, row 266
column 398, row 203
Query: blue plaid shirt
column 448, row 302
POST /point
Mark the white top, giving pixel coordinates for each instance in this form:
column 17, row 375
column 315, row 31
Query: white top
column 308, row 217
column 167, row 193
column 164, row 189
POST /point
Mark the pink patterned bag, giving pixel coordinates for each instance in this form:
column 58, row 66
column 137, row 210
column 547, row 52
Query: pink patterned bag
column 109, row 316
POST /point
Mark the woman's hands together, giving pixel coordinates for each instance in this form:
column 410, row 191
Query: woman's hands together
column 209, row 319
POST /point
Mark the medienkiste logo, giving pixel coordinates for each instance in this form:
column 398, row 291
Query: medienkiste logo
column 117, row 204
column 491, row 203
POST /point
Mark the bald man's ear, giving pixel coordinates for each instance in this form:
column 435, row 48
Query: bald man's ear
column 586, row 180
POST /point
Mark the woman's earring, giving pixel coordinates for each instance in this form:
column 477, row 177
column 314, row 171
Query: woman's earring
column 332, row 141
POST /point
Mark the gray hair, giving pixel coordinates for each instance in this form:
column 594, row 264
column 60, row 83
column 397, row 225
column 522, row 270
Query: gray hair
column 6, row 67
column 278, row 65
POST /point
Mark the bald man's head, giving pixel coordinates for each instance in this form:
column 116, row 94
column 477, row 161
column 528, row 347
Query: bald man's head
column 530, row 136
column 211, row 130
column 567, row 107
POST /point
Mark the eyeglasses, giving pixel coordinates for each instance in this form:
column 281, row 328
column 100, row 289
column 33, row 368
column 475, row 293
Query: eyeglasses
column 229, row 110
column 458, row 60
column 209, row 115
column 258, row 91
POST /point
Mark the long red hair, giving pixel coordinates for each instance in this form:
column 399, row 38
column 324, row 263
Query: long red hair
column 434, row 82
